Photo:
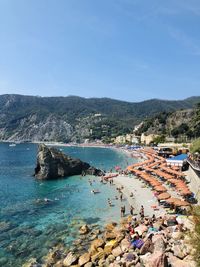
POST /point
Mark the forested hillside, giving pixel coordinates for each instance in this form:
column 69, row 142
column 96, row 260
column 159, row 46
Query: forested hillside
column 74, row 118
column 182, row 124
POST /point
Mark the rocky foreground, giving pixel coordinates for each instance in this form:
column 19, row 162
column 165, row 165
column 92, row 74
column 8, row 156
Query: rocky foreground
column 52, row 164
column 162, row 242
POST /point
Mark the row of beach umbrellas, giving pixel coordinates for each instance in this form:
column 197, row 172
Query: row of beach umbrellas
column 157, row 185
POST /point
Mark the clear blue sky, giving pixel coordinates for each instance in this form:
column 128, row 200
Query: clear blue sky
column 124, row 49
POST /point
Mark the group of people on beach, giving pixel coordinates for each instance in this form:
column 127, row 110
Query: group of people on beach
column 120, row 196
column 151, row 226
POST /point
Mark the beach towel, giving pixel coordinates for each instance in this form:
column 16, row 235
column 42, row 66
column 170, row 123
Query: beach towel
column 138, row 243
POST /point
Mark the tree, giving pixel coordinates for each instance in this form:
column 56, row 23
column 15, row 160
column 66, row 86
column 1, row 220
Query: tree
column 159, row 139
column 195, row 146
column 181, row 129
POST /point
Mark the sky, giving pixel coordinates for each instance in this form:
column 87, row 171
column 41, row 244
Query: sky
column 130, row 50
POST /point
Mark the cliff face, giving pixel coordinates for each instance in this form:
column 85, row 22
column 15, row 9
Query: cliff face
column 159, row 125
column 182, row 125
column 52, row 164
column 180, row 117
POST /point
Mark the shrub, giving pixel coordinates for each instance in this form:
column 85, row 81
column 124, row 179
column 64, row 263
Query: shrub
column 195, row 146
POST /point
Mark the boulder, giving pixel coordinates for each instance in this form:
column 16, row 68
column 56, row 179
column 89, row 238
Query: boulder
column 70, row 259
column 52, row 164
column 98, row 256
column 157, row 259
column 89, row 264
column 158, row 243
column 114, row 264
column 83, row 259
column 109, row 235
column 115, row 233
column 179, row 251
column 31, row 262
column 58, row 264
column 125, row 245
column 110, row 226
column 117, row 251
column 110, row 245
column 110, row 258
column 97, row 243
column 174, row 262
column 147, row 247
column 100, row 249
column 84, row 229
column 144, row 259
column 177, row 235
column 101, row 262
column 190, row 259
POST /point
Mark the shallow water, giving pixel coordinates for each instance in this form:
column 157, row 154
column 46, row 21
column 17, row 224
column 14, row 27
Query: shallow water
column 28, row 225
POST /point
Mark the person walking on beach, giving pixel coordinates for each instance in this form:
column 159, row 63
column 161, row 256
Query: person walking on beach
column 142, row 212
column 121, row 196
column 131, row 210
column 122, row 211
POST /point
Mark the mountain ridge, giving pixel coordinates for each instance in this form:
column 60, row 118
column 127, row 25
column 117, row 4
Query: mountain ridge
column 74, row 118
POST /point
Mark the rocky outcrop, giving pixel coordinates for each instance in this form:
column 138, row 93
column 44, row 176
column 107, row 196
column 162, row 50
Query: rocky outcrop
column 52, row 164
column 159, row 249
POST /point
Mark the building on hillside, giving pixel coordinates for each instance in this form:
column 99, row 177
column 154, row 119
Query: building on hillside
column 131, row 138
column 147, row 139
column 128, row 138
column 135, row 139
column 121, row 139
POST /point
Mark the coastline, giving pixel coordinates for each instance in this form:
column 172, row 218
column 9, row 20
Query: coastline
column 142, row 195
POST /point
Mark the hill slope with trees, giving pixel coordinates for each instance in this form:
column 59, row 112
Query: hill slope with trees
column 75, row 118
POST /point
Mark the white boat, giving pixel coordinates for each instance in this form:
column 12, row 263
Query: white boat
column 13, row 144
column 95, row 191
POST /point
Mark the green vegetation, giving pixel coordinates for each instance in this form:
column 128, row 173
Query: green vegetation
column 92, row 118
column 183, row 125
column 180, row 130
column 195, row 146
column 196, row 121
column 159, row 139
column 195, row 237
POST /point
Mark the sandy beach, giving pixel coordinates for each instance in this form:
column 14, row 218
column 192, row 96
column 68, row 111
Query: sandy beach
column 142, row 195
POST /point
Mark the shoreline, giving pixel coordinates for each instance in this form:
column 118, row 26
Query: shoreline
column 142, row 195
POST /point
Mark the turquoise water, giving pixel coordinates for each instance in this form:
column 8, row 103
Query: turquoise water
column 29, row 227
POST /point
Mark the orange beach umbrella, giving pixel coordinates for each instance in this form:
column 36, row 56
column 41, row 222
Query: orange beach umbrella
column 163, row 196
column 171, row 200
column 160, row 188
column 181, row 203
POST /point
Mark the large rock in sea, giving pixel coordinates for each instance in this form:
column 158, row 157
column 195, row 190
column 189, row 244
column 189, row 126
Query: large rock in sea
column 52, row 164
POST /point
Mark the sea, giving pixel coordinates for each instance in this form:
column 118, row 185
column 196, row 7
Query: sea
column 30, row 226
